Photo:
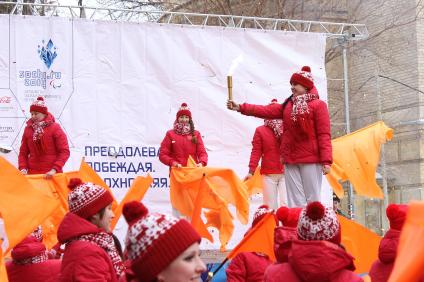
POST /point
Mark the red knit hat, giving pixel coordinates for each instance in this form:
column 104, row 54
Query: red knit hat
column 317, row 222
column 260, row 213
column 154, row 240
column 39, row 106
column 303, row 77
column 289, row 217
column 396, row 215
column 86, row 199
column 184, row 111
column 274, row 101
column 29, row 251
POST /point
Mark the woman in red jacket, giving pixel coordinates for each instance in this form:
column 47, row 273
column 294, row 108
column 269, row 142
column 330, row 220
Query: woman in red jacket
column 30, row 263
column 317, row 254
column 160, row 247
column 183, row 141
column 266, row 147
column 44, row 148
column 306, row 140
column 90, row 252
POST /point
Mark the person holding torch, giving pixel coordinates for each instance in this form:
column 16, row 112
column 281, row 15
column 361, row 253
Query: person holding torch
column 306, row 139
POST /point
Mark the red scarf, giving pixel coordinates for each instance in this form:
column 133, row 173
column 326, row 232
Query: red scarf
column 182, row 128
column 300, row 112
column 300, row 105
column 33, row 260
column 276, row 125
column 105, row 241
column 37, row 136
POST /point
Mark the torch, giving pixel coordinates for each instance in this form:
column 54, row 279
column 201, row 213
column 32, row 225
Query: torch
column 230, row 87
column 233, row 66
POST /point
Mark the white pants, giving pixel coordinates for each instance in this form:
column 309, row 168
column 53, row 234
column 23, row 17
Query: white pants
column 275, row 194
column 303, row 183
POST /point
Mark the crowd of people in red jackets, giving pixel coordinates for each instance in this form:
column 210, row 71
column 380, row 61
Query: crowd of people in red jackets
column 294, row 146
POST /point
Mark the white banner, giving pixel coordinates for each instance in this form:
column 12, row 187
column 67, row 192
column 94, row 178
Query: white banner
column 116, row 87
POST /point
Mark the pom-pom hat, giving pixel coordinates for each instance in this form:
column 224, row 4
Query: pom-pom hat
column 87, row 199
column 39, row 106
column 154, row 240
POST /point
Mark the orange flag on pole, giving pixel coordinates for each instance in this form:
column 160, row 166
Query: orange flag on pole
column 23, row 207
column 355, row 158
column 259, row 239
column 409, row 264
column 136, row 192
column 360, row 242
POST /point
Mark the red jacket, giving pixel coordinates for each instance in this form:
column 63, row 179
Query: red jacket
column 283, row 237
column 265, row 146
column 297, row 147
column 247, row 267
column 382, row 268
column 46, row 271
column 56, row 149
column 317, row 261
column 177, row 148
column 83, row 261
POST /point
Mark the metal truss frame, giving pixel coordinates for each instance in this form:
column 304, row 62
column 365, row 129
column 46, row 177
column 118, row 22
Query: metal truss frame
column 346, row 31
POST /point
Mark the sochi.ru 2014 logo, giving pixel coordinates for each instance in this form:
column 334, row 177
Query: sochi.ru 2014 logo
column 39, row 78
column 47, row 53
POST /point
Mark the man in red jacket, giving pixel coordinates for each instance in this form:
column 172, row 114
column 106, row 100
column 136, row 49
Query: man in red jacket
column 250, row 266
column 30, row 263
column 317, row 254
column 266, row 147
column 306, row 140
column 44, row 148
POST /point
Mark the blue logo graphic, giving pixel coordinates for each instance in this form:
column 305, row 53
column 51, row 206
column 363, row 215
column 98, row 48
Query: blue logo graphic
column 47, row 53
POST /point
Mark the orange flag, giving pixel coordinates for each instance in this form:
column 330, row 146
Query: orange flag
column 360, row 242
column 337, row 174
column 219, row 188
column 23, row 207
column 259, row 239
column 355, row 158
column 196, row 219
column 222, row 220
column 56, row 188
column 255, row 183
column 409, row 264
column 136, row 192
